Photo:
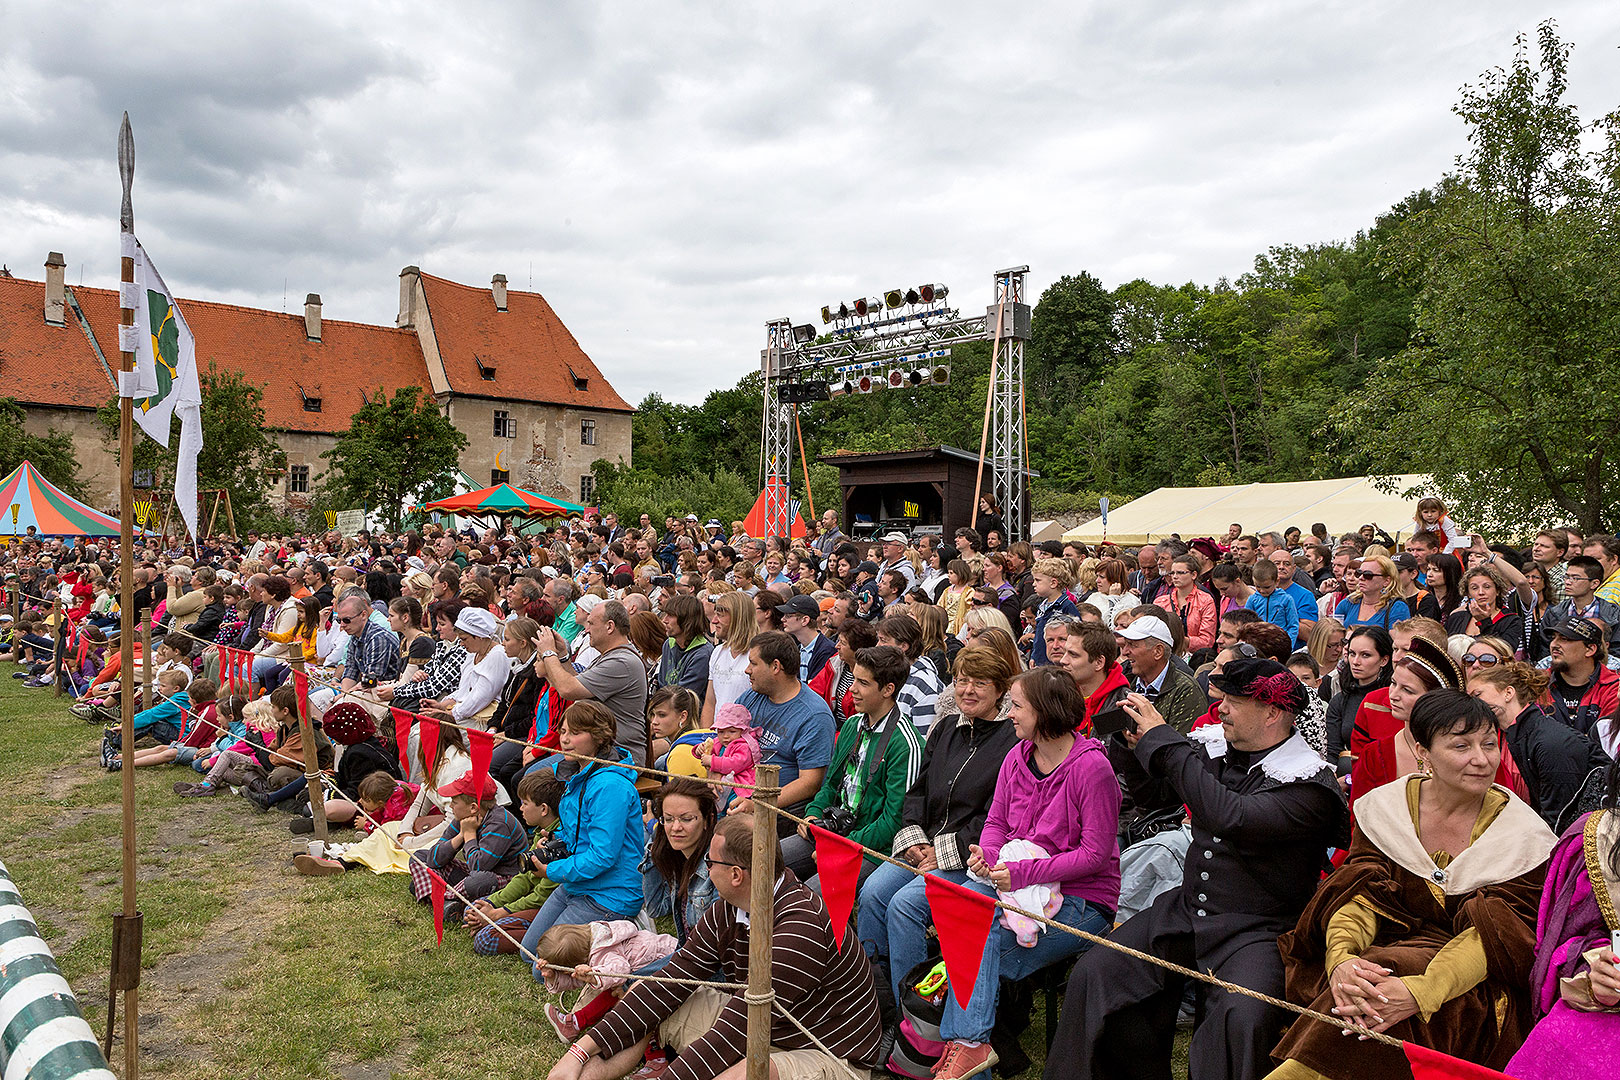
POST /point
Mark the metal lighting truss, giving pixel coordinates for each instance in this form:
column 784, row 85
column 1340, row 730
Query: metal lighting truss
column 858, row 345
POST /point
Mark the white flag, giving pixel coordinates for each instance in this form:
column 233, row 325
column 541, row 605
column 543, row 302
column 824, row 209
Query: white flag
column 166, row 371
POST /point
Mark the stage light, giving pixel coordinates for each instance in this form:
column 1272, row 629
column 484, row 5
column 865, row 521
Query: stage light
column 912, row 296
column 897, row 379
column 864, row 384
column 894, row 298
column 917, row 376
column 941, row 375
column 843, row 311
column 805, row 334
column 863, row 307
column 930, row 293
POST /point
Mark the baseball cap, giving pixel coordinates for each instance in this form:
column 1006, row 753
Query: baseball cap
column 867, row 567
column 1405, row 560
column 548, row 571
column 691, row 517
column 1262, row 679
column 895, row 538
column 466, row 784
column 1148, row 626
column 800, row 605
column 1574, row 627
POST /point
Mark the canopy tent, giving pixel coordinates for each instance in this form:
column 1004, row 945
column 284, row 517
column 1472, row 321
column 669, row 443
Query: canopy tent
column 47, row 508
column 1342, row 505
column 755, row 524
column 502, row 501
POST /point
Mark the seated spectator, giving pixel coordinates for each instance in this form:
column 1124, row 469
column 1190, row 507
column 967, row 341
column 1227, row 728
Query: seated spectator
column 674, row 873
column 1193, row 604
column 919, row 697
column 822, row 979
column 799, row 618
column 795, row 725
column 1057, row 796
column 1553, row 759
column 1366, row 667
column 874, row 762
column 837, row 678
column 684, row 660
column 945, row 808
column 1575, row 982
column 600, row 826
column 1148, row 646
column 480, row 849
column 499, row 920
column 483, row 676
column 1411, row 936
column 1264, row 809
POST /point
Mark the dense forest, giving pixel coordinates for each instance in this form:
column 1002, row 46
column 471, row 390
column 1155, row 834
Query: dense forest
column 1465, row 334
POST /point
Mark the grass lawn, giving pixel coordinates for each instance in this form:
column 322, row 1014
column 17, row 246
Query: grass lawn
column 249, row 968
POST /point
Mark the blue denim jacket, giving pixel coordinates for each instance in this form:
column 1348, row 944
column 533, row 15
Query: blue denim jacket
column 660, row 895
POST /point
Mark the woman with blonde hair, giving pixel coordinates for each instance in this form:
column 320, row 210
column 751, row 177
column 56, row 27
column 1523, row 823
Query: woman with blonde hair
column 984, row 617
column 733, row 627
column 1001, row 640
column 1378, row 599
column 954, row 600
column 1326, row 646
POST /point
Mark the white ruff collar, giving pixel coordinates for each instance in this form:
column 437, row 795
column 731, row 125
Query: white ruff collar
column 1293, row 761
column 1515, row 843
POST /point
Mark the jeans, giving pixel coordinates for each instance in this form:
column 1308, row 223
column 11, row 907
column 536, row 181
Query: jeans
column 905, row 936
column 263, row 666
column 1005, row 958
column 563, row 909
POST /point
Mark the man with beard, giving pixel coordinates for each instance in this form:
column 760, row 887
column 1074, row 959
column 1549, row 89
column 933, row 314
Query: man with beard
column 1583, row 689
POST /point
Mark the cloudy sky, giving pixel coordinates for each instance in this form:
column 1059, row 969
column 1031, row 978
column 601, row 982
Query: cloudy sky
column 672, row 175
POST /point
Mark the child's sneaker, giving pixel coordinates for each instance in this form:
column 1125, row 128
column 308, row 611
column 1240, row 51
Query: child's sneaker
column 654, row 1065
column 315, row 866
column 562, row 1023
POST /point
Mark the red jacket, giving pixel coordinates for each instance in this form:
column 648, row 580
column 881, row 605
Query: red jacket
column 1597, row 701
column 1113, row 683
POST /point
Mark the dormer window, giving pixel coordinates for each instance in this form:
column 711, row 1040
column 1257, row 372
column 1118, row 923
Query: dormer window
column 486, row 371
column 581, row 382
column 312, row 403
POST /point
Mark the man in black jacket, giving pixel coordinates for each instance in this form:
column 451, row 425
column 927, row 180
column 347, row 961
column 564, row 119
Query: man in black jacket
column 1265, row 809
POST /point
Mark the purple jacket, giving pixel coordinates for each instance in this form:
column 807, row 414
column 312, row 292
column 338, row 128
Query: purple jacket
column 1073, row 812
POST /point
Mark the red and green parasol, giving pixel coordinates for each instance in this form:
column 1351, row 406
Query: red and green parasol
column 503, row 500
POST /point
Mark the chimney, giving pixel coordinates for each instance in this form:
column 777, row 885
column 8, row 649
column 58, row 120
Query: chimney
column 497, row 285
column 56, row 289
column 312, row 316
column 408, row 280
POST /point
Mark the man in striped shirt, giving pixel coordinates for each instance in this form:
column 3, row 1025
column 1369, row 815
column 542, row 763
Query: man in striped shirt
column 828, row 989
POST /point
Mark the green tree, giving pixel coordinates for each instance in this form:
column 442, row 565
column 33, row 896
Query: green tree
column 397, row 450
column 51, row 453
column 238, row 451
column 1517, row 266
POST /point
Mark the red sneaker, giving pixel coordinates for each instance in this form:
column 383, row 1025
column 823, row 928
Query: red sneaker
column 961, row 1061
column 562, row 1023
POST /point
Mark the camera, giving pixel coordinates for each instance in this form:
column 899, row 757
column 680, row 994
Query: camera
column 837, row 819
column 368, row 681
column 552, row 850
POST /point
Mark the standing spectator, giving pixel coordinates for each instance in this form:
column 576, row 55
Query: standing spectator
column 1192, row 604
column 799, row 618
column 1051, row 581
column 733, row 626
column 1271, row 603
column 1583, row 689
column 1377, row 601
column 684, row 660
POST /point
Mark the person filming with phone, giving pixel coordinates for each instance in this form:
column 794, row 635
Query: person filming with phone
column 1265, row 808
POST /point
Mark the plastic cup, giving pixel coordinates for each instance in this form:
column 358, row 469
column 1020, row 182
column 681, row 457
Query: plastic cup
column 317, row 848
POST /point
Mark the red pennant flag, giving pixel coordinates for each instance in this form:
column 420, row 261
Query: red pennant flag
column 482, row 746
column 838, row 863
column 301, row 685
column 1433, row 1065
column 436, row 888
column 963, row 919
column 402, row 737
column 427, row 730
column 224, row 668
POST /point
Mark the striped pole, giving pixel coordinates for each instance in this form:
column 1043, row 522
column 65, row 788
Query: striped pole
column 43, row 1035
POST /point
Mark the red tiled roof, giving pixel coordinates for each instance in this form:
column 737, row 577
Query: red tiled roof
column 533, row 355
column 51, row 365
column 44, row 364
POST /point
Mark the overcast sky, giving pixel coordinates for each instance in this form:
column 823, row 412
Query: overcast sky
column 672, row 175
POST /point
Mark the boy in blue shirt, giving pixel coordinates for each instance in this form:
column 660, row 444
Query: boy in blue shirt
column 1271, row 603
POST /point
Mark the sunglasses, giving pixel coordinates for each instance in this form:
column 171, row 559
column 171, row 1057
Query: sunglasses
column 345, row 620
column 978, row 603
column 1245, row 650
column 1483, row 661
column 1369, row 575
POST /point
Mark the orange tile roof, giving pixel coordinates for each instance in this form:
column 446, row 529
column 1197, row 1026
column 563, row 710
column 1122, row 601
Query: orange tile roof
column 44, row 364
column 533, row 355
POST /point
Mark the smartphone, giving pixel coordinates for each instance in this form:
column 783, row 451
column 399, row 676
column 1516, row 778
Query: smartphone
column 1108, row 721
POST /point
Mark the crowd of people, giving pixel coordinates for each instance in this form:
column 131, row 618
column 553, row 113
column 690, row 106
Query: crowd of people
column 1377, row 779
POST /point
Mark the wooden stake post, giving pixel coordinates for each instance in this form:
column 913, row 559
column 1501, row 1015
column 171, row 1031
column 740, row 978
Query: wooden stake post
column 762, row 902
column 146, row 660
column 58, row 629
column 312, row 766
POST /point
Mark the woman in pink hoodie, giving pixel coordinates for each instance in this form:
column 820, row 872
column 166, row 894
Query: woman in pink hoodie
column 1057, row 791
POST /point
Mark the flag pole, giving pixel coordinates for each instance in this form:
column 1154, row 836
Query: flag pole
column 126, row 957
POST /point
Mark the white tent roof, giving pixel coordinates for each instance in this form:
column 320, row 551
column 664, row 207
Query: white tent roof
column 1342, row 505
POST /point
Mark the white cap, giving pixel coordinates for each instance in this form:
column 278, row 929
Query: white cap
column 588, row 603
column 1148, row 626
column 895, row 538
column 548, row 571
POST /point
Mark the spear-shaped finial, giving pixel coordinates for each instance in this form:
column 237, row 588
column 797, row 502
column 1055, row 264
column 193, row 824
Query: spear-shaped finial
column 126, row 172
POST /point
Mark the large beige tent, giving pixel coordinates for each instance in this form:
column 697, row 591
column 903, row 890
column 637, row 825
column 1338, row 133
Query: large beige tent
column 1342, row 505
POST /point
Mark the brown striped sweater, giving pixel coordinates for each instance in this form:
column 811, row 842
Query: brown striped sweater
column 829, row 990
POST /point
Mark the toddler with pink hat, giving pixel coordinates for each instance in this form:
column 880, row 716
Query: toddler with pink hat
column 734, row 750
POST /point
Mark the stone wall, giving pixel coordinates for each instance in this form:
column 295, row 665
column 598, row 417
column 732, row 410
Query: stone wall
column 546, row 454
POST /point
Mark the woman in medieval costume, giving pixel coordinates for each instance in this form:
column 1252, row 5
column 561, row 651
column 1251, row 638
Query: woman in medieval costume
column 1426, row 931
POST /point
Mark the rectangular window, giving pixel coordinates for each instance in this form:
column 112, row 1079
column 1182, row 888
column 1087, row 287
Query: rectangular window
column 499, row 476
column 505, row 426
column 587, row 432
column 587, row 488
column 298, row 479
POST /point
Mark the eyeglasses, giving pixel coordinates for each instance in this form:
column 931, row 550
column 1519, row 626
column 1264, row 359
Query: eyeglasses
column 1245, row 650
column 712, row 863
column 1488, row 660
column 689, row 819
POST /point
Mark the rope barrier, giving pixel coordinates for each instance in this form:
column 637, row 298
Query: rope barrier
column 1208, row 978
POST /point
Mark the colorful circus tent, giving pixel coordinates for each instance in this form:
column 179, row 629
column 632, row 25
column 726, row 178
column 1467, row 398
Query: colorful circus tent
column 47, row 508
column 502, row 500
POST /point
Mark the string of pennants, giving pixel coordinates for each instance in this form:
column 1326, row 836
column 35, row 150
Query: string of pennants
column 963, row 918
